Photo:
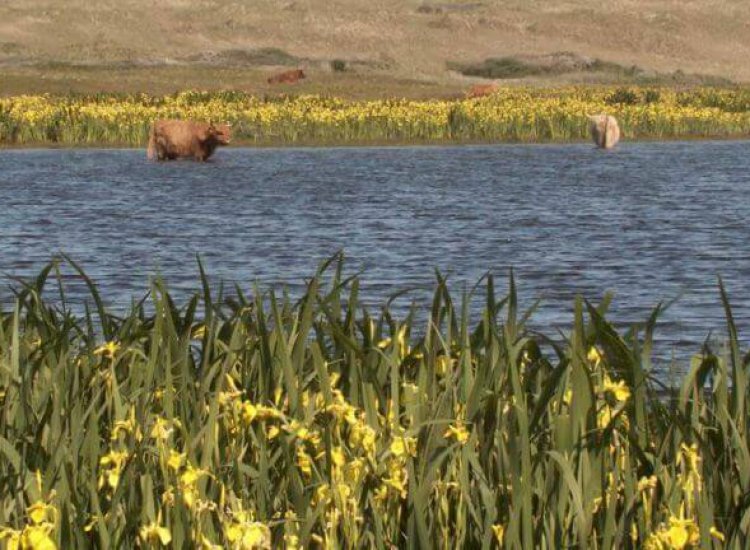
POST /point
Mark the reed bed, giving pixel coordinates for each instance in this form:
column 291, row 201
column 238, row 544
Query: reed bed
column 262, row 421
column 512, row 114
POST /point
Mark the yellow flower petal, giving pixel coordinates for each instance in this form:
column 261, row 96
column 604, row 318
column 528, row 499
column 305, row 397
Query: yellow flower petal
column 36, row 537
column 499, row 531
column 37, row 512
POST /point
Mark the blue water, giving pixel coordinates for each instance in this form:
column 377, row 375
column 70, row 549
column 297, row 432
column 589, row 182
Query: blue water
column 649, row 222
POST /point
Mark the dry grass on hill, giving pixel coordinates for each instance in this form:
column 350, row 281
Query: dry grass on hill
column 387, row 47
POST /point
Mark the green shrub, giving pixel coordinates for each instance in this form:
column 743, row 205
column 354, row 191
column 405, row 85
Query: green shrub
column 623, row 96
column 338, row 65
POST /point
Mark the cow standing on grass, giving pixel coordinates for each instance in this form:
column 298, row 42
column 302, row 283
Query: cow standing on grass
column 287, row 77
column 482, row 90
column 174, row 139
column 604, row 131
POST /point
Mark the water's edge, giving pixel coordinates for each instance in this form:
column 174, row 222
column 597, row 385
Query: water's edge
column 648, row 221
column 380, row 144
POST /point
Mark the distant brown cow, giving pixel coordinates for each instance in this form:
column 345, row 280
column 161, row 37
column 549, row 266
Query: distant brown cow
column 604, row 131
column 173, row 139
column 287, row 77
column 482, row 90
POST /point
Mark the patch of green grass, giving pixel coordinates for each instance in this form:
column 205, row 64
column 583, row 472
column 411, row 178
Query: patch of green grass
column 256, row 57
column 563, row 63
column 555, row 64
column 338, row 65
column 500, row 68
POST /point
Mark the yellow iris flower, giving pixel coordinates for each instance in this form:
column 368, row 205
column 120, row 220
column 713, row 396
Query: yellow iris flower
column 459, row 432
column 108, row 349
column 153, row 533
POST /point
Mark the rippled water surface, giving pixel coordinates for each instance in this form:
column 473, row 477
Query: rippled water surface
column 650, row 221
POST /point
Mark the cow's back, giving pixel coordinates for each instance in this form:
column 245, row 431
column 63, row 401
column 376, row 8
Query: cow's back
column 605, row 131
column 173, row 139
column 612, row 133
column 482, row 90
column 178, row 138
column 287, row 77
column 179, row 132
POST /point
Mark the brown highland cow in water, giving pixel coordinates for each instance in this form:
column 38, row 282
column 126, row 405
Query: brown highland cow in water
column 287, row 77
column 173, row 139
column 604, row 131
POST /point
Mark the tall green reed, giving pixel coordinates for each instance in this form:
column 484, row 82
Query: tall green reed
column 265, row 420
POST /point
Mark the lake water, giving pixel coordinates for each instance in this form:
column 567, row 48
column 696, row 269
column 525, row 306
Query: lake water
column 649, row 222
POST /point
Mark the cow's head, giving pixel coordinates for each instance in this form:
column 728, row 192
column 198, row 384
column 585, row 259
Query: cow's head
column 220, row 133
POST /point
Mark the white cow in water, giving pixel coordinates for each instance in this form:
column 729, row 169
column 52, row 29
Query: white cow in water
column 604, row 130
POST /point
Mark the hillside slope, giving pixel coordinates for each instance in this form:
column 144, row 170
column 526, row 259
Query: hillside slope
column 385, row 44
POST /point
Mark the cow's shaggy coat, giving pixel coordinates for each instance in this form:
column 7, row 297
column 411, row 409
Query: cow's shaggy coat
column 604, row 131
column 173, row 139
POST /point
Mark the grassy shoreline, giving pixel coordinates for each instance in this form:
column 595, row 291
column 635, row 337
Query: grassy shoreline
column 256, row 421
column 512, row 115
column 247, row 144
